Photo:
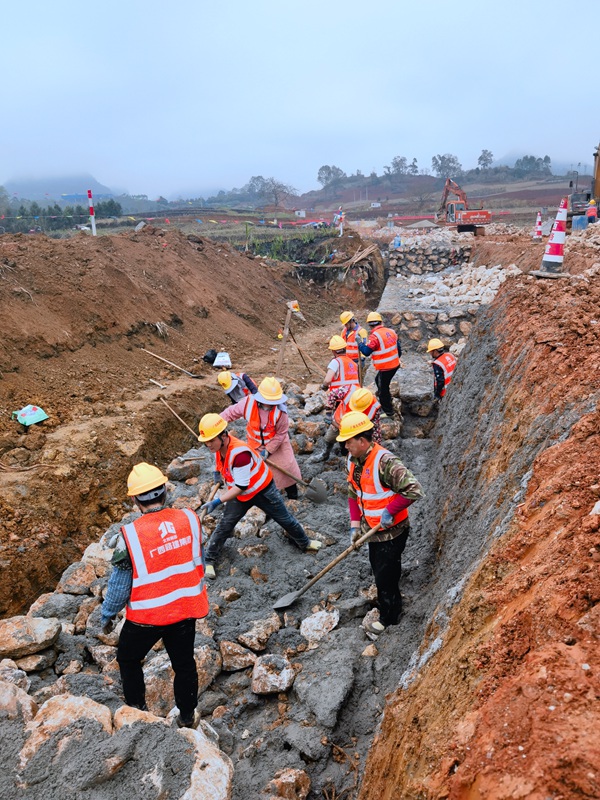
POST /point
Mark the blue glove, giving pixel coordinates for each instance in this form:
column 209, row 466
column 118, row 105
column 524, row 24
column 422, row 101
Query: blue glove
column 386, row 519
column 264, row 453
column 355, row 533
column 358, row 339
column 209, row 507
column 217, row 477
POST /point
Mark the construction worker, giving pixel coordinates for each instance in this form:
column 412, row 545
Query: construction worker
column 341, row 376
column 359, row 400
column 385, row 350
column 349, row 331
column 444, row 364
column 236, row 387
column 380, row 490
column 591, row 212
column 249, row 482
column 158, row 572
column 268, row 431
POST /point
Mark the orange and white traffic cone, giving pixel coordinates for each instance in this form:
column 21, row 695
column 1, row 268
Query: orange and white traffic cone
column 538, row 227
column 555, row 249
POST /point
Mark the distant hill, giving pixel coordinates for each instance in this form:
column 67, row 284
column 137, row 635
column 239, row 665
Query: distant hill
column 52, row 189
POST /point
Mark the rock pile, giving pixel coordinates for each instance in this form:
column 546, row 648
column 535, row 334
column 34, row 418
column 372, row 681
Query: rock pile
column 469, row 285
column 273, row 686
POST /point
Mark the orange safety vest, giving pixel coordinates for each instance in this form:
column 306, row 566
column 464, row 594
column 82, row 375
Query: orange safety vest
column 347, row 374
column 592, row 211
column 351, row 346
column 386, row 356
column 372, row 496
column 168, row 574
column 260, row 474
column 253, row 428
column 448, row 363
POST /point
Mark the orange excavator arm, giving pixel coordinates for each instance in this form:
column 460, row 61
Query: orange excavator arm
column 451, row 187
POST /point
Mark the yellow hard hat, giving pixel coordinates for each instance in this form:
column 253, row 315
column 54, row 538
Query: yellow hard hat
column 374, row 316
column 270, row 392
column 211, row 425
column 143, row 478
column 435, row 344
column 224, row 379
column 352, row 424
column 360, row 399
column 337, row 343
column 346, row 316
column 592, row 202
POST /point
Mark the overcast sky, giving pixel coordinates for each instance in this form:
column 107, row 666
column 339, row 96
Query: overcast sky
column 184, row 97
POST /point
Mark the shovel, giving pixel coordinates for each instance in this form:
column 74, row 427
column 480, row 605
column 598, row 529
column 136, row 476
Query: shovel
column 316, row 490
column 289, row 599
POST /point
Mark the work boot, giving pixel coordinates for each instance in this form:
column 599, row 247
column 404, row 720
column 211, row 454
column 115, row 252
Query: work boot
column 209, row 572
column 322, row 455
column 313, row 546
column 373, row 629
column 188, row 722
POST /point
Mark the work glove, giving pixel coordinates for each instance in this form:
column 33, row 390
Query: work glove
column 325, row 386
column 217, row 478
column 355, row 534
column 210, row 506
column 359, row 339
column 387, row 519
column 264, row 453
column 107, row 626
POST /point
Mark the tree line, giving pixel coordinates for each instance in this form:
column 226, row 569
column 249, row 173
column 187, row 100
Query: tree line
column 22, row 216
column 446, row 165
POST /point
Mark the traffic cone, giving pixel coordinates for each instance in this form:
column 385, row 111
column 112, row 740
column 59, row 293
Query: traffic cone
column 538, row 227
column 555, row 249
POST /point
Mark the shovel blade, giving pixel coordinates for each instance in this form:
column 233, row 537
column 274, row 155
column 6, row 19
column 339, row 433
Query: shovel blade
column 316, row 491
column 286, row 601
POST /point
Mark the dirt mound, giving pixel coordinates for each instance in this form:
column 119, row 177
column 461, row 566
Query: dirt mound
column 75, row 314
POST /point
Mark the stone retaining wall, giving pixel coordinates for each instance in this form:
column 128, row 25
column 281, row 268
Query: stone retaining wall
column 421, row 258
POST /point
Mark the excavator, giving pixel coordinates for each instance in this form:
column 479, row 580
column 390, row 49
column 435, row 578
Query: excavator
column 577, row 202
column 456, row 212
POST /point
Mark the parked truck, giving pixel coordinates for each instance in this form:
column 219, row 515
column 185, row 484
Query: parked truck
column 457, row 212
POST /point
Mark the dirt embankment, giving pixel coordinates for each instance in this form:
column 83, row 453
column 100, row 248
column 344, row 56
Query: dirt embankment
column 75, row 315
column 508, row 705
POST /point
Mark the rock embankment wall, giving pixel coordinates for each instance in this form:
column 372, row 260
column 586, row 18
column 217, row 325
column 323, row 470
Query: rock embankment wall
column 419, row 258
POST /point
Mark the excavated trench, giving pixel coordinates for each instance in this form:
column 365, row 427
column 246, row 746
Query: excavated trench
column 345, row 722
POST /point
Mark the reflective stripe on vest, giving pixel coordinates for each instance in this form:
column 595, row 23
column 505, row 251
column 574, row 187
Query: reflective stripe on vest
column 253, row 429
column 592, row 211
column 168, row 574
column 372, row 496
column 448, row 364
column 347, row 374
column 386, row 356
column 351, row 346
column 260, row 474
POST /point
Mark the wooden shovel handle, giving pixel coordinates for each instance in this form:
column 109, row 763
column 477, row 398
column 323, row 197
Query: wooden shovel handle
column 175, row 414
column 339, row 558
column 211, row 495
column 285, row 472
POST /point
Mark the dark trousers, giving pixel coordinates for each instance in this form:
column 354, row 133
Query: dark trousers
column 268, row 500
column 383, row 378
column 386, row 563
column 135, row 643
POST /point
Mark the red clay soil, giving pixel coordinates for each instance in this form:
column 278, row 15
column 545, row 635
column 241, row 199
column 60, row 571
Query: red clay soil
column 508, row 708
column 75, row 314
